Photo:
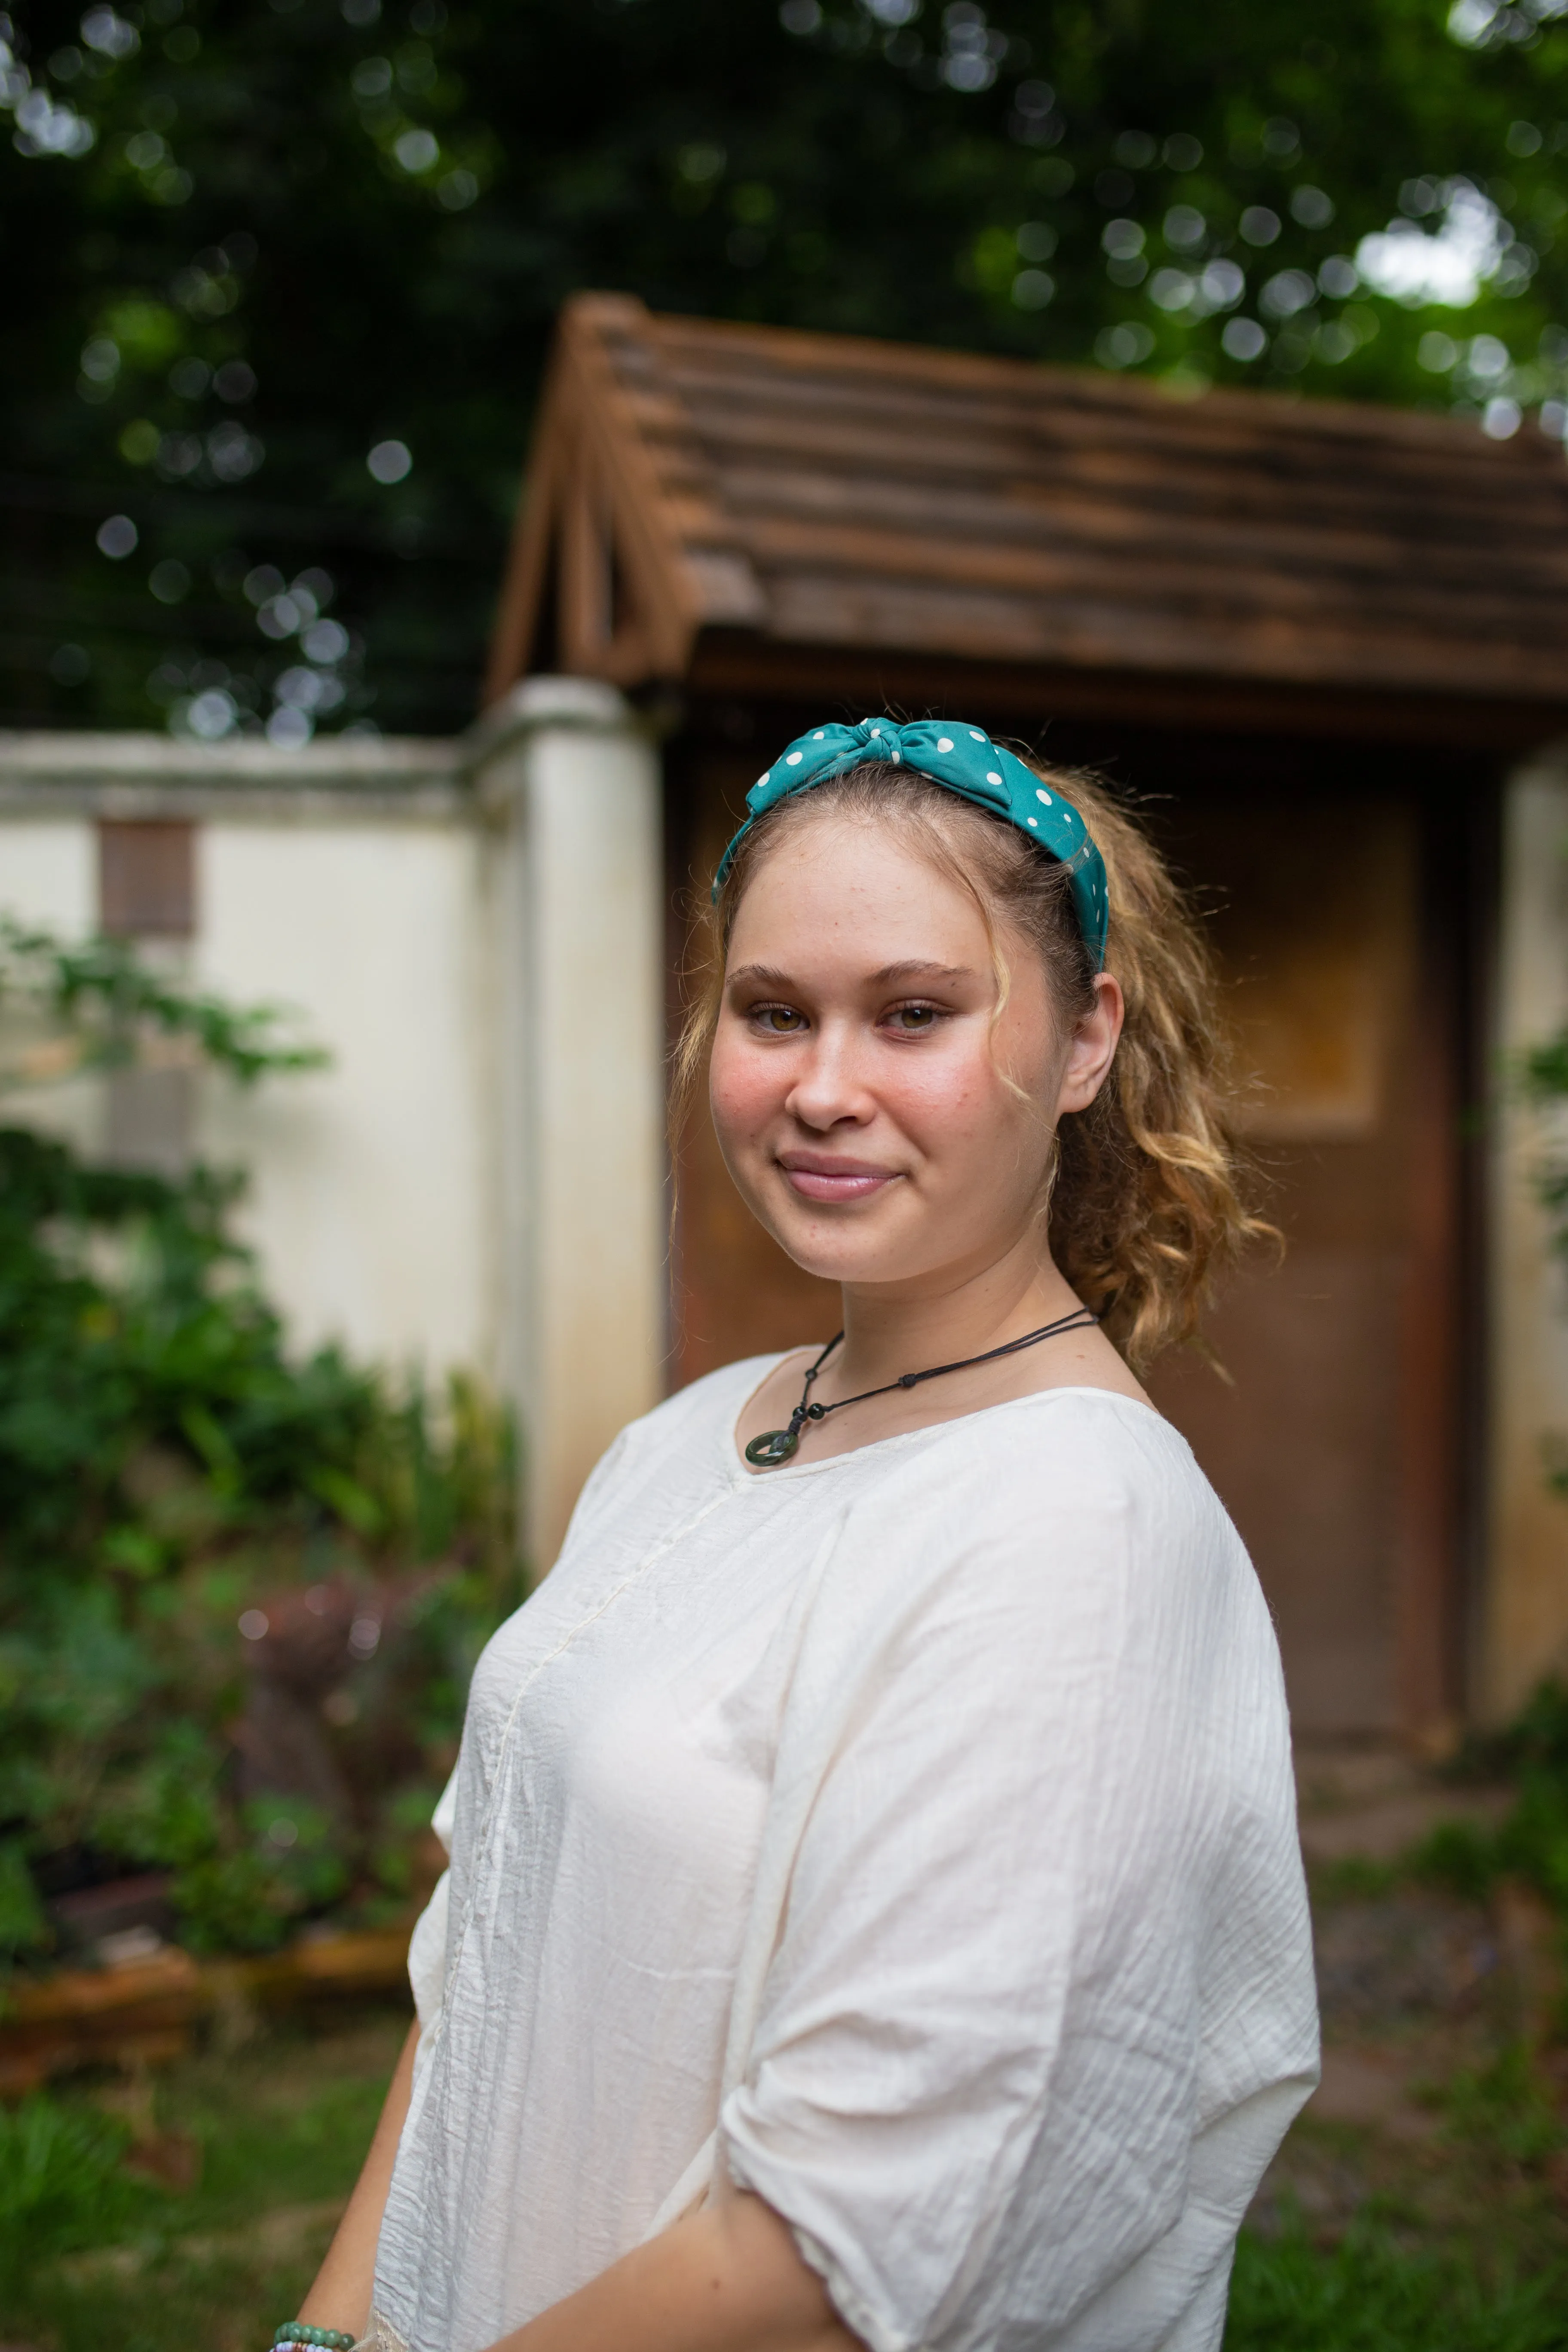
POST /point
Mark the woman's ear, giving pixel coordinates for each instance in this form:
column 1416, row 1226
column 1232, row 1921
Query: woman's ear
column 1093, row 1046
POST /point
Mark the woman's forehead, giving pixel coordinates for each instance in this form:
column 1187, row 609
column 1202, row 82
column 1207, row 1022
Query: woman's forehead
column 825, row 876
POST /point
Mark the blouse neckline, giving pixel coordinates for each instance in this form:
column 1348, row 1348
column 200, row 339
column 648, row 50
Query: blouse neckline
column 742, row 1475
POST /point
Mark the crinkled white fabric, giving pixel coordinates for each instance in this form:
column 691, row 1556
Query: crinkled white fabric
column 909, row 1836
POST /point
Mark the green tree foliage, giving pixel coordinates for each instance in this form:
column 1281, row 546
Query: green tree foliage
column 240, row 1595
column 279, row 277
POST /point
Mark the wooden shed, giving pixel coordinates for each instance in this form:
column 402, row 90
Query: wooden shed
column 1316, row 637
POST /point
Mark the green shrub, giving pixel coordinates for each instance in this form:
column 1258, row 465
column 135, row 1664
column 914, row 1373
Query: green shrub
column 166, row 1465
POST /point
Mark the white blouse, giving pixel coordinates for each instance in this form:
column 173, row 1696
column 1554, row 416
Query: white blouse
column 909, row 1833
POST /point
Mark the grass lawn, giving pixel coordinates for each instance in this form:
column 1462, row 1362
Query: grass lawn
column 194, row 2219
column 1421, row 2202
column 1422, row 2207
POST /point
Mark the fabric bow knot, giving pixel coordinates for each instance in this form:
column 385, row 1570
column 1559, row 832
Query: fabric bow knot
column 964, row 761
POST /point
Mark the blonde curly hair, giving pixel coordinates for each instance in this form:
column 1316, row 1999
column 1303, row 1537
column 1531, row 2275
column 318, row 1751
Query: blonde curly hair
column 1146, row 1199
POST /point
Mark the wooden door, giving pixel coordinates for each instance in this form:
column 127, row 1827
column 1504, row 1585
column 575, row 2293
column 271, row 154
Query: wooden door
column 1332, row 1432
column 1331, row 1435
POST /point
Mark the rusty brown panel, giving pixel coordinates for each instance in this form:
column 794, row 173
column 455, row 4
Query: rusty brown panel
column 1428, row 1597
column 1339, row 1358
column 146, row 878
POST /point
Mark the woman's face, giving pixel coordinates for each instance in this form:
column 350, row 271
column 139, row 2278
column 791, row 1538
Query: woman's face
column 857, row 1077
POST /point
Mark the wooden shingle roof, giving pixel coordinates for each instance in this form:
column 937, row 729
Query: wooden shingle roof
column 750, row 509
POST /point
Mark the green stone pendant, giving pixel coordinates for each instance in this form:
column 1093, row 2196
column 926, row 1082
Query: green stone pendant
column 773, row 1446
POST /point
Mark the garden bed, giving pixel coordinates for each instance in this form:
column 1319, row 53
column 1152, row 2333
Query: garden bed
column 144, row 2011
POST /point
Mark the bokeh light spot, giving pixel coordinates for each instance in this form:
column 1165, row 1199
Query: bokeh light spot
column 116, row 537
column 212, row 714
column 189, row 377
column 1242, row 339
column 389, row 461
column 416, row 151
column 290, row 727
column 1125, row 345
column 69, row 664
column 109, row 34
column 235, row 381
column 325, row 641
column 169, row 580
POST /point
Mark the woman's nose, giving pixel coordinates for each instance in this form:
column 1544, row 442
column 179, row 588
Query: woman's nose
column 829, row 1086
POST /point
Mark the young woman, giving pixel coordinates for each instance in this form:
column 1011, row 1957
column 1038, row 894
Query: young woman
column 875, row 1911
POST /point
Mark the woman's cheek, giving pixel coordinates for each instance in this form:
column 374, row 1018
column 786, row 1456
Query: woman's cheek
column 746, row 1088
column 941, row 1096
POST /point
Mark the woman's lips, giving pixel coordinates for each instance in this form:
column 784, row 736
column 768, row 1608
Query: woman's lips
column 833, row 1179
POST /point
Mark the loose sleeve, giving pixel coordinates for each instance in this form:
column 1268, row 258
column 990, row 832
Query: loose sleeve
column 1000, row 2014
column 427, row 1945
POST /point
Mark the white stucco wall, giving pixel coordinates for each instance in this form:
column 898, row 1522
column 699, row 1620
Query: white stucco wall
column 473, row 930
column 48, row 877
column 369, row 1200
column 47, row 872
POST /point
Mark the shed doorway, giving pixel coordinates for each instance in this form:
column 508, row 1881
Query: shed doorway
column 1343, row 889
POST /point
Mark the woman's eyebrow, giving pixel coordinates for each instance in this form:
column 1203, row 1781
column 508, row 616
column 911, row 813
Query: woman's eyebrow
column 760, row 975
column 767, row 975
column 915, row 969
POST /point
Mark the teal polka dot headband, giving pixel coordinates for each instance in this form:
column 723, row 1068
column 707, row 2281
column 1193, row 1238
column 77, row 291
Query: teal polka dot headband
column 964, row 760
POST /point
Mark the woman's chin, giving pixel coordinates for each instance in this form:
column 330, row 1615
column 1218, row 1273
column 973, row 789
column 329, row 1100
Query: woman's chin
column 845, row 1252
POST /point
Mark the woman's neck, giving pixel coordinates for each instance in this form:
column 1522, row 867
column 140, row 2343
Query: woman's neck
column 892, row 1328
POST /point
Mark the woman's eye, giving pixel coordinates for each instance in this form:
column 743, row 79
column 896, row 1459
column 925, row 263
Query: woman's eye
column 914, row 1019
column 779, row 1020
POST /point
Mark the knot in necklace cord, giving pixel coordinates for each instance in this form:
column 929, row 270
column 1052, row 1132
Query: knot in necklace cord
column 777, row 1445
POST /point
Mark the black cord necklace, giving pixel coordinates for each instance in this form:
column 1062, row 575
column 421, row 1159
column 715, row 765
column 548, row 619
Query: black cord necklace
column 777, row 1445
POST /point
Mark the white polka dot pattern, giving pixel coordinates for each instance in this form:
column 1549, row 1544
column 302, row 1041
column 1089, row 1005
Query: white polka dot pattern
column 991, row 777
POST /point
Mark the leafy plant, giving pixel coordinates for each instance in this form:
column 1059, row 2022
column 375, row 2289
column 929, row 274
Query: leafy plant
column 240, row 1594
column 103, row 999
column 62, row 2187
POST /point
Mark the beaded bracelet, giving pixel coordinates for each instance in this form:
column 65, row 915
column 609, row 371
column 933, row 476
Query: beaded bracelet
column 331, row 2339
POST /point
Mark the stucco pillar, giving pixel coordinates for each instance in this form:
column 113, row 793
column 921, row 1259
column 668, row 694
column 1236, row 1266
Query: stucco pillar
column 571, row 786
column 1523, row 1625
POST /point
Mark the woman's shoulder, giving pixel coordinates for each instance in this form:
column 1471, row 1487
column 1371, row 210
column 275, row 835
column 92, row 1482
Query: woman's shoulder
column 1065, row 1442
column 1053, row 1477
